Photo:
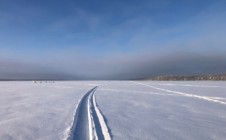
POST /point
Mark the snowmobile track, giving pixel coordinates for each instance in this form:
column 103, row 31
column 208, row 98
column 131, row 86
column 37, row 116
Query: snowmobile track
column 88, row 122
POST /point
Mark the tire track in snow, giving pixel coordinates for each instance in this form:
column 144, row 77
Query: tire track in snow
column 184, row 94
column 88, row 122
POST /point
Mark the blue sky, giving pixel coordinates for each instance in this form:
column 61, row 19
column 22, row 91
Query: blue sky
column 103, row 39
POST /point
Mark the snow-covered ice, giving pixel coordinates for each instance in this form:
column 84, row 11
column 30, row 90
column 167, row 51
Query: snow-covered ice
column 38, row 111
column 128, row 110
column 150, row 113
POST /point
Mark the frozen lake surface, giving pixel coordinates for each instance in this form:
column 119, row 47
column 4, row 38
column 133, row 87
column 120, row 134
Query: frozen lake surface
column 119, row 110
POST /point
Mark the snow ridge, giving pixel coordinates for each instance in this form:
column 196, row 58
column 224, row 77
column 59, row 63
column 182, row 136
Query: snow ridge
column 104, row 128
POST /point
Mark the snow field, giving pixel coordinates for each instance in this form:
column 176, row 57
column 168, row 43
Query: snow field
column 128, row 110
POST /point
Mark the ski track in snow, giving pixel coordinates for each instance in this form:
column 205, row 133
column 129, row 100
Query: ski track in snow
column 210, row 99
column 135, row 91
column 187, row 85
column 88, row 122
column 155, row 93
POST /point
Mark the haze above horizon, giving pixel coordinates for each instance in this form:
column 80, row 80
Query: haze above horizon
column 102, row 39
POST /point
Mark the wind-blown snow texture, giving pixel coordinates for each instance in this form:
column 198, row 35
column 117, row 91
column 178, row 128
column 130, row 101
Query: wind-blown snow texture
column 156, row 114
column 131, row 109
column 38, row 111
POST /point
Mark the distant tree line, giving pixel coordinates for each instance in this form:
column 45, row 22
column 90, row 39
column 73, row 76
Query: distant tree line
column 221, row 77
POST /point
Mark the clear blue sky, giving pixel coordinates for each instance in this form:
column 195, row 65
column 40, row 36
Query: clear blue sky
column 111, row 39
